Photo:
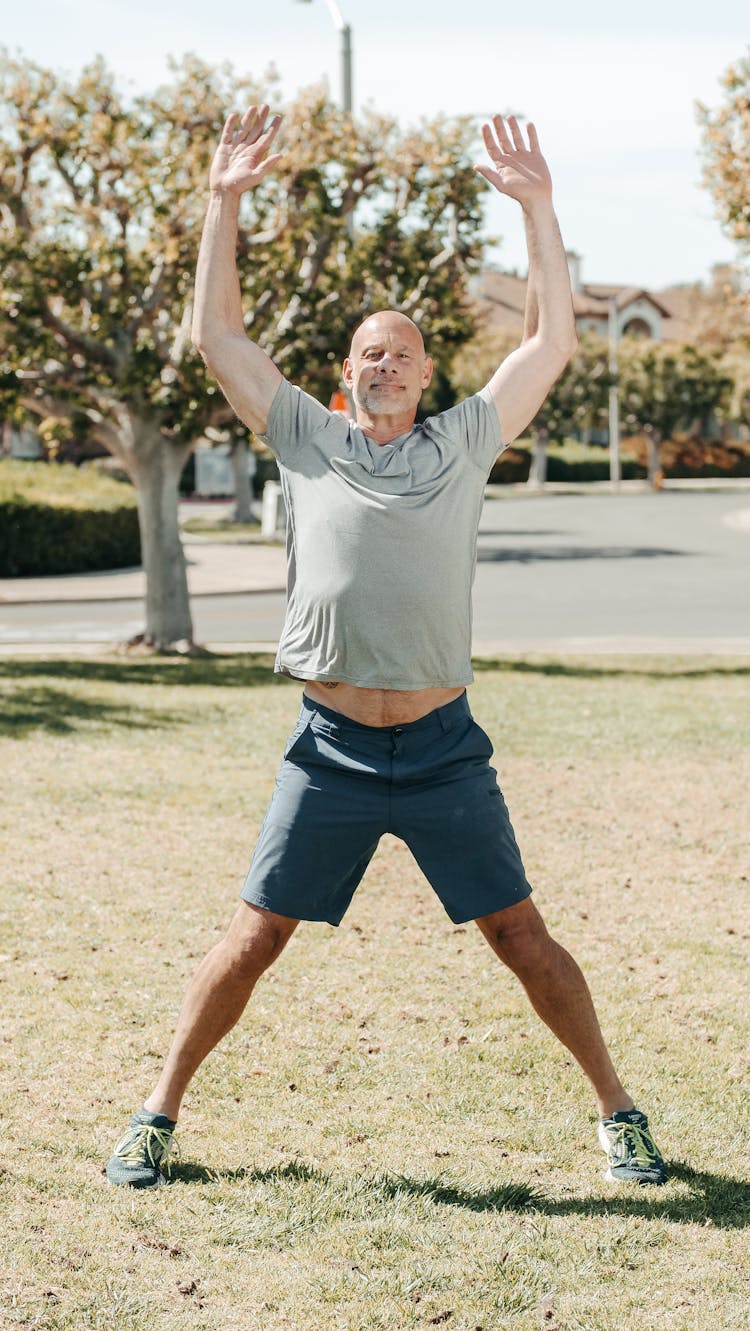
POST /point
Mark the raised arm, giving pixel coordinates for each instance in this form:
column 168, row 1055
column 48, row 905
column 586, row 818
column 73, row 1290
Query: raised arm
column 247, row 376
column 520, row 385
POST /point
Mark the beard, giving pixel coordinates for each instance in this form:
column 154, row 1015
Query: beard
column 384, row 399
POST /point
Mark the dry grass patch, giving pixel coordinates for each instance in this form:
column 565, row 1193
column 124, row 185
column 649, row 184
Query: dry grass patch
column 389, row 1139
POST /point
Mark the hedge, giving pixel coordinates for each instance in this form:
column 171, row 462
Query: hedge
column 56, row 519
column 678, row 463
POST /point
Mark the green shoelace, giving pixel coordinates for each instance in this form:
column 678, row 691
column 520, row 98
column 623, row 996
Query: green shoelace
column 630, row 1138
column 145, row 1144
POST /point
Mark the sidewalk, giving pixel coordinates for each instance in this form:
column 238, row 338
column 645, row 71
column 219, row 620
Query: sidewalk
column 213, row 569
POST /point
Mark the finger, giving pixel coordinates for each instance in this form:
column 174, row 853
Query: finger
column 259, row 125
column 230, row 125
column 502, row 133
column 268, row 165
column 517, row 136
column 492, row 177
column 249, row 122
column 490, row 142
column 507, row 159
column 271, row 132
column 494, row 149
column 533, row 137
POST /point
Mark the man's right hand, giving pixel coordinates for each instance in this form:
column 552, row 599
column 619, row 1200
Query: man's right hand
column 240, row 162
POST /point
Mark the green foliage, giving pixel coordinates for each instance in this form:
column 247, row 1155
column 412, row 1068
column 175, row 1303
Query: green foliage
column 578, row 401
column 726, row 144
column 59, row 520
column 664, row 389
column 103, row 205
column 591, row 469
column 570, row 462
column 56, row 485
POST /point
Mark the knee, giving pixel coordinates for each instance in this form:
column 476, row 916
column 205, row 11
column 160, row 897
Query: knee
column 519, row 937
column 255, row 939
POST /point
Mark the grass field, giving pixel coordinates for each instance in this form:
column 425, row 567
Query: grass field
column 389, row 1139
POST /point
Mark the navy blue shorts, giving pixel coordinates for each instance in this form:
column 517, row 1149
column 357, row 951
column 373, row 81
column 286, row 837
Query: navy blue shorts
column 342, row 785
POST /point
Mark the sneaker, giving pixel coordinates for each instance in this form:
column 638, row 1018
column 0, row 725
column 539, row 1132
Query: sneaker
column 632, row 1152
column 139, row 1153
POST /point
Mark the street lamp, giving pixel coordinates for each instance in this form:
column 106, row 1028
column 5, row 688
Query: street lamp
column 346, row 52
column 614, row 401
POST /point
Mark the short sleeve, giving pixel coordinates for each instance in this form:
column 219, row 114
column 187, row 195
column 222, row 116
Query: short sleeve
column 294, row 419
column 474, row 426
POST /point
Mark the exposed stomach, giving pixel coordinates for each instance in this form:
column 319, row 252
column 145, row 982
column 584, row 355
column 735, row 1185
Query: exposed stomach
column 380, row 707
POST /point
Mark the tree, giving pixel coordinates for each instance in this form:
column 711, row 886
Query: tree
column 101, row 206
column 726, row 143
column 726, row 175
column 665, row 388
column 577, row 402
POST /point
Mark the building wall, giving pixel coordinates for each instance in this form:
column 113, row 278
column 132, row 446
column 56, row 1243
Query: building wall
column 641, row 310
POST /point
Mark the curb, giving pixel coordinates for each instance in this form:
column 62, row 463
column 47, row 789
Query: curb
column 135, row 597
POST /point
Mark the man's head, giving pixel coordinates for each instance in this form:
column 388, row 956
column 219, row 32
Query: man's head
column 387, row 369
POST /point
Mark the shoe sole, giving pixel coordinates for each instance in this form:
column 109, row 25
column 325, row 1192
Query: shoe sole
column 642, row 1182
column 129, row 1183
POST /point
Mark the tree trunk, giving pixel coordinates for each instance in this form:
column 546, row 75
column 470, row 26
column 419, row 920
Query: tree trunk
column 156, row 465
column 538, row 468
column 653, row 445
column 243, row 494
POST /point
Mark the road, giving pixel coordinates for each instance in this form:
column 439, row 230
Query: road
column 641, row 571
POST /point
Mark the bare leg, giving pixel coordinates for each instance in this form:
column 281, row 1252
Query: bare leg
column 558, row 993
column 217, row 996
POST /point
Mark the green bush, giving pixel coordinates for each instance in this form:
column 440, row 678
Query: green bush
column 513, row 466
column 591, row 469
column 57, row 519
column 709, row 470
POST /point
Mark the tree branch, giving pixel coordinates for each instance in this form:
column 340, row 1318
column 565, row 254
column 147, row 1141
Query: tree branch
column 73, row 337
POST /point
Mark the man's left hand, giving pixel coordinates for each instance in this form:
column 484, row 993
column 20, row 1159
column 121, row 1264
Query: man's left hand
column 516, row 170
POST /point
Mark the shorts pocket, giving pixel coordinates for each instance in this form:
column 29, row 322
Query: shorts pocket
column 295, row 738
column 479, row 743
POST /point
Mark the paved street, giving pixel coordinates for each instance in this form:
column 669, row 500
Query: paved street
column 596, row 572
column 637, row 570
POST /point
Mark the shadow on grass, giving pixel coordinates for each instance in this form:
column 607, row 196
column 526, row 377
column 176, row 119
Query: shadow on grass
column 34, row 696
column 249, row 669
column 58, row 712
column 716, row 1199
column 643, row 669
column 239, row 670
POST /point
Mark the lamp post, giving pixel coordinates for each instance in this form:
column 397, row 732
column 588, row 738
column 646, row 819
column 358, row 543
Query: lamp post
column 614, row 402
column 346, row 52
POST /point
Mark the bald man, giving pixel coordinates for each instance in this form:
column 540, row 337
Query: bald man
column 383, row 519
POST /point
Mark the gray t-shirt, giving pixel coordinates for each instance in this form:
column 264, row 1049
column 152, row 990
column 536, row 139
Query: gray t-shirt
column 381, row 543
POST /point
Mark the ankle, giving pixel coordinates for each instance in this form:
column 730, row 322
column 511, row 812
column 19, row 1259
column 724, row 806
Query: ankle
column 614, row 1103
column 157, row 1105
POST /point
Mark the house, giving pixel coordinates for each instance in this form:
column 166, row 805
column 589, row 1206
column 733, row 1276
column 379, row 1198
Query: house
column 638, row 312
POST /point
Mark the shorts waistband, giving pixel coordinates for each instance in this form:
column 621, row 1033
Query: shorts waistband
column 440, row 719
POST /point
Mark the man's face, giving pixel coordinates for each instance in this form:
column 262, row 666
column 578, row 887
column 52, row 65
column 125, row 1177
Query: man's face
column 387, row 369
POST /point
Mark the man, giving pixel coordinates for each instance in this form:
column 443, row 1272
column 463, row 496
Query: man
column 383, row 519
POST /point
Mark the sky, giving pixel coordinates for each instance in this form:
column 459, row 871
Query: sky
column 611, row 89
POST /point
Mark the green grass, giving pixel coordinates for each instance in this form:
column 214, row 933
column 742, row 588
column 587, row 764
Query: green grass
column 389, row 1139
column 238, row 533
column 61, row 485
column 569, row 450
